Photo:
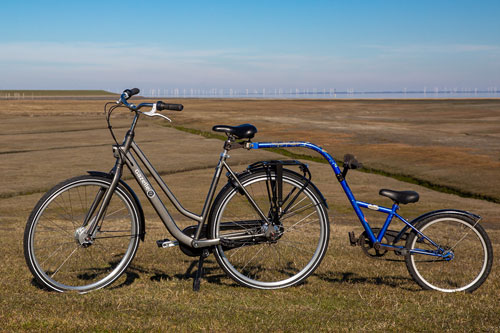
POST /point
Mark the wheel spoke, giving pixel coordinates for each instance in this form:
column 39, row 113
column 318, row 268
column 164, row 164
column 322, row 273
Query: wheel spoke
column 461, row 239
column 298, row 211
column 62, row 264
column 56, row 251
column 294, row 227
column 116, row 211
column 57, row 226
column 254, row 256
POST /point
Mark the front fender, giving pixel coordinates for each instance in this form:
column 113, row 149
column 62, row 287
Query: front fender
column 142, row 223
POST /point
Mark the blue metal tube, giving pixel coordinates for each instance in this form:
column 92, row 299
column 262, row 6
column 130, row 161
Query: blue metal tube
column 445, row 256
column 416, row 230
column 390, row 215
column 374, row 207
column 303, row 144
column 358, row 211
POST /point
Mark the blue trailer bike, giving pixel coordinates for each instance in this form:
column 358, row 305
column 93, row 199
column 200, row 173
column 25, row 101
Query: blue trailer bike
column 445, row 250
column 268, row 226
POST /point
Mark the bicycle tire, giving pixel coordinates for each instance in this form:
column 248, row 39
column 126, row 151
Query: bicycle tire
column 53, row 253
column 303, row 239
column 470, row 246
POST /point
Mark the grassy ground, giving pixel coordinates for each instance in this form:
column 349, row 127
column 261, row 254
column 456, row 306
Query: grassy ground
column 451, row 143
column 51, row 141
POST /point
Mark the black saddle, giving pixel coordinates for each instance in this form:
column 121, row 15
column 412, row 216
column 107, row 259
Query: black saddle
column 402, row 197
column 244, row 131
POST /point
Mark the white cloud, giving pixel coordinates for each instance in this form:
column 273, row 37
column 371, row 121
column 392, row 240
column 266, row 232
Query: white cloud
column 429, row 49
column 42, row 65
column 82, row 64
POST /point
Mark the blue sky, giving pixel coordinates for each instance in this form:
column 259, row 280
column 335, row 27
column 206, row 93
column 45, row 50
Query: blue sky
column 361, row 45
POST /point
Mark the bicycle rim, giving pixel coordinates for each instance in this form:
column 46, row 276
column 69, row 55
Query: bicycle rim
column 56, row 257
column 293, row 256
column 471, row 258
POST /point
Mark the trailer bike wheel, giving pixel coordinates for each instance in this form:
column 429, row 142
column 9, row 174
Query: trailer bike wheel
column 462, row 260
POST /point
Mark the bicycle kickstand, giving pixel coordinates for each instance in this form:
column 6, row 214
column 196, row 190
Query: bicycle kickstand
column 199, row 273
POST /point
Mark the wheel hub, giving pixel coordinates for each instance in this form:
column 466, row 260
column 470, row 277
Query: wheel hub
column 448, row 255
column 272, row 232
column 82, row 238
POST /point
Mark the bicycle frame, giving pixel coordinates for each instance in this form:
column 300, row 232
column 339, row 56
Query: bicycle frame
column 123, row 155
column 357, row 205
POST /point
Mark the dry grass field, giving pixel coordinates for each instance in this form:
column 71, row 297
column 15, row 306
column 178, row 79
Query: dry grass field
column 451, row 143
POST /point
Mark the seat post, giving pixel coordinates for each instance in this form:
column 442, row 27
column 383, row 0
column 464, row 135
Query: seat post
column 228, row 142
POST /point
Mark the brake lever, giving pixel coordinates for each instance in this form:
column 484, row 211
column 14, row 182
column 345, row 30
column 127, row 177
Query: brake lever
column 152, row 113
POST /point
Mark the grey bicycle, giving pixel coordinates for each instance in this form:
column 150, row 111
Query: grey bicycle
column 268, row 227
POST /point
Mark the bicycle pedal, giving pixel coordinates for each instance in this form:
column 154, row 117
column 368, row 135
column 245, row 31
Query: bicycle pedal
column 166, row 243
column 352, row 239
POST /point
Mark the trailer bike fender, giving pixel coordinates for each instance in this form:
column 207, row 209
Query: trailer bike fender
column 445, row 211
column 142, row 224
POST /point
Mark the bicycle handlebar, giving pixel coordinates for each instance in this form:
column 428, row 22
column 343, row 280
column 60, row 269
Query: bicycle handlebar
column 158, row 106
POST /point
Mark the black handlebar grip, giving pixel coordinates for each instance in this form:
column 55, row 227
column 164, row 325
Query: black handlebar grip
column 131, row 92
column 168, row 106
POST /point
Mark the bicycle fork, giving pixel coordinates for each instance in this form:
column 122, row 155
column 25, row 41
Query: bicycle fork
column 85, row 235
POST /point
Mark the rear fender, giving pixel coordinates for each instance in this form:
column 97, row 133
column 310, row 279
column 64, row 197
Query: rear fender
column 142, row 223
column 445, row 211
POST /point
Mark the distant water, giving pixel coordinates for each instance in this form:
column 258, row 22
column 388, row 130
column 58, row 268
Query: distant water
column 315, row 94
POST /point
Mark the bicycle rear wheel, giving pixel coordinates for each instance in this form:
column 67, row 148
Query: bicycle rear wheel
column 53, row 248
column 470, row 254
column 301, row 234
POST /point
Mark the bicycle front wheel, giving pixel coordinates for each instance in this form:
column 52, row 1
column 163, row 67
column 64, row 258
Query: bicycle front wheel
column 53, row 246
column 467, row 248
column 302, row 231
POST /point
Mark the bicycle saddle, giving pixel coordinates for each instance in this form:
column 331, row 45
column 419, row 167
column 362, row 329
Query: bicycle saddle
column 244, row 131
column 402, row 197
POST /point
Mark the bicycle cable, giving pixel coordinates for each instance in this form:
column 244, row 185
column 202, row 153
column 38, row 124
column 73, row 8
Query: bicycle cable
column 108, row 119
column 110, row 128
